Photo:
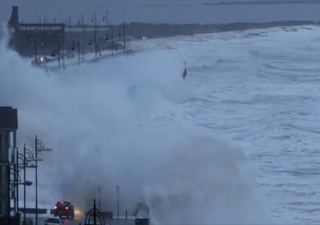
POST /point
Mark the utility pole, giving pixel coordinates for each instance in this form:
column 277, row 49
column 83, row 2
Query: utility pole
column 95, row 35
column 69, row 36
column 82, row 24
column 118, row 200
column 35, row 53
column 25, row 166
column 94, row 212
column 79, row 49
column 82, row 34
column 59, row 53
column 24, row 187
column 36, row 156
column 112, row 41
column 39, row 147
column 124, row 38
column 17, row 180
column 36, row 151
column 107, row 29
column 44, row 35
column 26, row 40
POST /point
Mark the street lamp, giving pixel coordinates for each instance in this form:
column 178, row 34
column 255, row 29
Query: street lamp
column 35, row 50
column 44, row 30
column 39, row 147
column 124, row 38
column 81, row 22
column 78, row 36
column 95, row 34
column 16, row 184
column 112, row 41
column 27, row 183
column 118, row 200
column 59, row 50
column 106, row 19
column 27, row 157
column 16, row 180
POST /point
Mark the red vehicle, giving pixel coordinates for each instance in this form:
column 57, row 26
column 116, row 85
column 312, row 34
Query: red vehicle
column 64, row 209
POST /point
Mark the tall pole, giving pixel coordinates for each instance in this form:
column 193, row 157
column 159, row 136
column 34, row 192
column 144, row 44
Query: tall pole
column 95, row 34
column 63, row 47
column 36, row 157
column 69, row 36
column 24, row 186
column 39, row 38
column 107, row 23
column 124, row 38
column 17, row 176
column 35, row 53
column 94, row 212
column 39, row 147
column 26, row 41
column 112, row 41
column 79, row 49
column 82, row 34
column 44, row 35
column 118, row 197
column 82, row 24
column 59, row 53
column 13, row 159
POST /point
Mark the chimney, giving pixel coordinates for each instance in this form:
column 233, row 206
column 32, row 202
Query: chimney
column 14, row 19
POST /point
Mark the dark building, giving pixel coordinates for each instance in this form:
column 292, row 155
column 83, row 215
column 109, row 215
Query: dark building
column 35, row 39
column 50, row 39
column 8, row 128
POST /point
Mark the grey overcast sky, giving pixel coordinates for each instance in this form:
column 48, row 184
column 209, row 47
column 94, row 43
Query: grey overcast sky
column 130, row 11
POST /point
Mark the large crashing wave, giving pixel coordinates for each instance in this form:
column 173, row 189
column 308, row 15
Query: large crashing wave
column 90, row 118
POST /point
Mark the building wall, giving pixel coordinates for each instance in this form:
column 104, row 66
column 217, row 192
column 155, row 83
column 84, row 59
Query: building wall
column 32, row 39
column 48, row 39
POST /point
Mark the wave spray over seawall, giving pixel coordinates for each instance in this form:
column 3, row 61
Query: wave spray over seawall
column 97, row 121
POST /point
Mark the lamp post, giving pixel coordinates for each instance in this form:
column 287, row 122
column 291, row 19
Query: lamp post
column 19, row 182
column 18, row 169
column 16, row 179
column 26, row 158
column 39, row 147
column 27, row 183
column 124, row 38
column 59, row 50
column 44, row 30
column 69, row 25
column 78, row 49
column 35, row 50
column 25, row 40
column 112, row 41
column 94, row 19
column 118, row 200
column 95, row 35
column 106, row 19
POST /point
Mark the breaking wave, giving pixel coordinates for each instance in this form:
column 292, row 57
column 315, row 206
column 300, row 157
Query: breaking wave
column 90, row 117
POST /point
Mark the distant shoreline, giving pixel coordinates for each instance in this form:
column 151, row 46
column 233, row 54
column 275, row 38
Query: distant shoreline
column 230, row 3
column 139, row 30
